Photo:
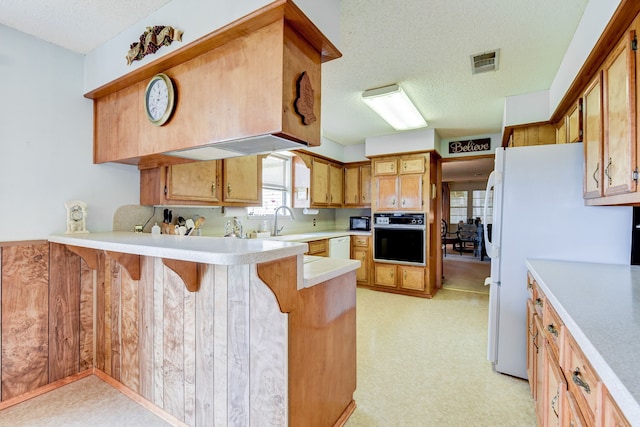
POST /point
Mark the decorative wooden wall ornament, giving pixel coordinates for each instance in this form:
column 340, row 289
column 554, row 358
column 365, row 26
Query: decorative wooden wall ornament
column 304, row 99
column 151, row 40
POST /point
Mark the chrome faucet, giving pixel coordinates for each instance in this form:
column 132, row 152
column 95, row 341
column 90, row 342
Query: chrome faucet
column 233, row 228
column 277, row 230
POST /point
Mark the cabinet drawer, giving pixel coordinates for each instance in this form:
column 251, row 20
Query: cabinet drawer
column 538, row 299
column 530, row 285
column 362, row 241
column 552, row 327
column 611, row 414
column 581, row 379
column 318, row 247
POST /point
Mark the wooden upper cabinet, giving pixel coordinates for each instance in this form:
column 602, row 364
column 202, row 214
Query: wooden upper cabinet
column 198, row 181
column 387, row 192
column 351, row 185
column 535, row 134
column 242, row 180
column 320, row 182
column 336, row 178
column 402, row 190
column 561, row 132
column 592, row 139
column 357, row 185
column 410, row 191
column 619, row 117
column 574, row 123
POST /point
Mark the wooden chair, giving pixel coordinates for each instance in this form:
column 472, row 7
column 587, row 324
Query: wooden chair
column 447, row 237
column 467, row 235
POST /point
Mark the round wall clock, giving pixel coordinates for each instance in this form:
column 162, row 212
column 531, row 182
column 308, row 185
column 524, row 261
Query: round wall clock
column 159, row 99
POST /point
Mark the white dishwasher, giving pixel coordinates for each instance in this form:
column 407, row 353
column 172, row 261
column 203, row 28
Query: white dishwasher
column 340, row 247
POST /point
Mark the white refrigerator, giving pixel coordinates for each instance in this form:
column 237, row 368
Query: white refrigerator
column 539, row 212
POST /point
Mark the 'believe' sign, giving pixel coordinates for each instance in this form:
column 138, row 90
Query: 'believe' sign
column 472, row 145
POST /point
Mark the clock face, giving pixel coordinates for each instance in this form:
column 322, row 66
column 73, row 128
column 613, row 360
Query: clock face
column 76, row 213
column 159, row 99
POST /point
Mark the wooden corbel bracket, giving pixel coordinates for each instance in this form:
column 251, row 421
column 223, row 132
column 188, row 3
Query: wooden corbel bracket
column 90, row 256
column 130, row 262
column 188, row 272
column 281, row 277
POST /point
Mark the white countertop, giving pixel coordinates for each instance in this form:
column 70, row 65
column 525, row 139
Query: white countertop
column 319, row 269
column 208, row 250
column 308, row 237
column 600, row 306
column 212, row 250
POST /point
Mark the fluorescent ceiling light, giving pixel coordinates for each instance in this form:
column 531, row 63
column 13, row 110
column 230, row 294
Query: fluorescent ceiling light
column 394, row 106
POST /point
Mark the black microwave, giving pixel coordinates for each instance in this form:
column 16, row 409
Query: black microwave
column 362, row 223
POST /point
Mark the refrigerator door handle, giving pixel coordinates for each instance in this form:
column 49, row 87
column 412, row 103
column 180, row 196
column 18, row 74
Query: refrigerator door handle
column 492, row 250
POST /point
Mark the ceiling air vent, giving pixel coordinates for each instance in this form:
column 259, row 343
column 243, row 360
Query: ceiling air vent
column 483, row 62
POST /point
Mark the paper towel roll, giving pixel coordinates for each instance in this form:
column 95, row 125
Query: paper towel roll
column 308, row 211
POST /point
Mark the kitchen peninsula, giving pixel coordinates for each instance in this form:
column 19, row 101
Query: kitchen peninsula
column 214, row 331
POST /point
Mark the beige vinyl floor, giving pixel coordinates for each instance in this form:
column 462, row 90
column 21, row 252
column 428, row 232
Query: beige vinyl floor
column 421, row 363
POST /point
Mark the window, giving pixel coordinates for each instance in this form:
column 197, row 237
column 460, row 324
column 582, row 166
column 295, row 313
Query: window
column 478, row 205
column 458, row 206
column 276, row 185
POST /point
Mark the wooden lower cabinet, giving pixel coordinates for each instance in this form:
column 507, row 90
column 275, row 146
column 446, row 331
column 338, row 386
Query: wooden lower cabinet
column 555, row 387
column 567, row 390
column 361, row 251
column 571, row 415
column 385, row 275
column 318, row 248
column 611, row 415
column 405, row 279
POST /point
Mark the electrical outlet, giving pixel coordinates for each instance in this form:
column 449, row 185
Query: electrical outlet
column 314, row 222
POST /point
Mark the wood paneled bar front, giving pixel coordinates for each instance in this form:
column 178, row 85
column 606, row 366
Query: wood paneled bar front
column 258, row 341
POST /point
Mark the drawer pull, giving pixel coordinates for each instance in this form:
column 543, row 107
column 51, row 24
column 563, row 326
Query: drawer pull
column 552, row 330
column 579, row 381
column 539, row 302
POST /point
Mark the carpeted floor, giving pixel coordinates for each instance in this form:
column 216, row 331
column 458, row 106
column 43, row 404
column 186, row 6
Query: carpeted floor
column 465, row 273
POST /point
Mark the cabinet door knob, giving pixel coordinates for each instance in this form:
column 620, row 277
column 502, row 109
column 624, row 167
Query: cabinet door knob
column 229, row 189
column 213, row 188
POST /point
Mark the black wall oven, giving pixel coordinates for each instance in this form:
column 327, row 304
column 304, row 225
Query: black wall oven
column 399, row 238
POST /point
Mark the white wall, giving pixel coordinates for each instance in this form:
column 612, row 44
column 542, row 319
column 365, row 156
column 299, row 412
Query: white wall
column 595, row 18
column 46, row 144
column 196, row 18
column 526, row 108
column 402, row 142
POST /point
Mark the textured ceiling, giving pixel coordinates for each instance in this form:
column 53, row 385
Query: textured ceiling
column 424, row 45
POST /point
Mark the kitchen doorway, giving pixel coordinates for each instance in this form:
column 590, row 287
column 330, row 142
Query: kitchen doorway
column 465, row 264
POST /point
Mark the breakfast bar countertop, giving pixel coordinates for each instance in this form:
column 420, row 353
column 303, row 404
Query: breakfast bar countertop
column 600, row 306
column 208, row 250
